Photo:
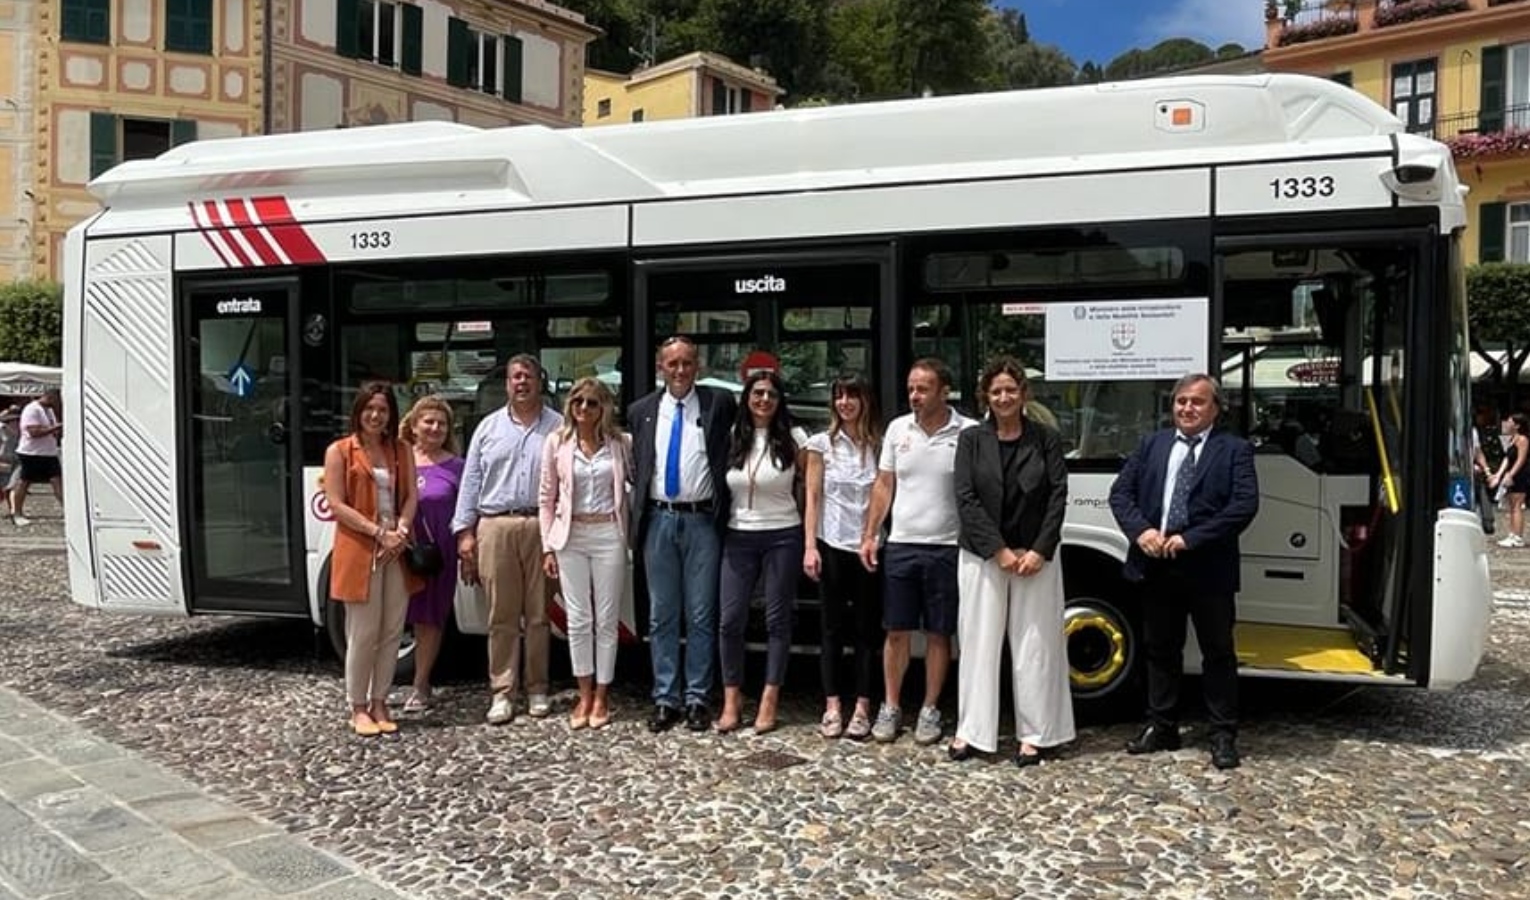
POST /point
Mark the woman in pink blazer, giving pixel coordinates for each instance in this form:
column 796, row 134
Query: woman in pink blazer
column 583, row 505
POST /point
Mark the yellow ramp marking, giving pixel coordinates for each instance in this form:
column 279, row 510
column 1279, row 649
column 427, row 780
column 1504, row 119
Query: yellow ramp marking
column 1299, row 649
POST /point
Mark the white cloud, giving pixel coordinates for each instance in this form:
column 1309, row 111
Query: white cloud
column 1212, row 22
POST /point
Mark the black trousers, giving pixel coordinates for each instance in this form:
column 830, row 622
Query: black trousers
column 1172, row 599
column 851, row 599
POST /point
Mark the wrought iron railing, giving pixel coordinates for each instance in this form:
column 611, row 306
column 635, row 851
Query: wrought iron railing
column 1481, row 123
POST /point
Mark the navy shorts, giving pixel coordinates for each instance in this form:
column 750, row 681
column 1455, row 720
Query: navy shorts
column 919, row 588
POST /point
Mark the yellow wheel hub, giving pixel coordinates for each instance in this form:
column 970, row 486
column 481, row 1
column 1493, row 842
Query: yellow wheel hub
column 1115, row 662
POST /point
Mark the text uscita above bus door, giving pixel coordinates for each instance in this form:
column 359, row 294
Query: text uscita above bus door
column 240, row 453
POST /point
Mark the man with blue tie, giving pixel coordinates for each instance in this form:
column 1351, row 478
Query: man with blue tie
column 1182, row 499
column 678, row 510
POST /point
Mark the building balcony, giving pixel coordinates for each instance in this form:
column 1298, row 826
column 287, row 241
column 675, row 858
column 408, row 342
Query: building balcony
column 1483, row 134
column 1292, row 22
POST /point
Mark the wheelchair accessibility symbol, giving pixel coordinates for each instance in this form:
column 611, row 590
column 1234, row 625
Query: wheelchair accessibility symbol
column 1460, row 494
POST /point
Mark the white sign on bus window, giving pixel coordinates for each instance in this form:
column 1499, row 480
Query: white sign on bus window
column 1125, row 340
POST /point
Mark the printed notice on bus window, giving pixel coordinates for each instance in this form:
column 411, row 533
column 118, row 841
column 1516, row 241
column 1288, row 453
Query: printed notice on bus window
column 1126, row 340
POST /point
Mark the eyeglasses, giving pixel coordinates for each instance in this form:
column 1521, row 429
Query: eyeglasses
column 764, row 394
column 585, row 402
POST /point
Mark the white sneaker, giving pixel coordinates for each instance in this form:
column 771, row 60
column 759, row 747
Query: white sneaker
column 1512, row 540
column 502, row 710
column 538, row 706
column 927, row 730
column 21, row 521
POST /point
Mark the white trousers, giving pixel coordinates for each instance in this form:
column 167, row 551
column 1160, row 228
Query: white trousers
column 373, row 631
column 996, row 604
column 592, row 569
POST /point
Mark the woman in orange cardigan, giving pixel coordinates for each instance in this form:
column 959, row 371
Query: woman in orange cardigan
column 369, row 482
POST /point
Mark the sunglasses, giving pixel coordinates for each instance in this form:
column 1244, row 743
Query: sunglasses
column 585, row 402
column 764, row 394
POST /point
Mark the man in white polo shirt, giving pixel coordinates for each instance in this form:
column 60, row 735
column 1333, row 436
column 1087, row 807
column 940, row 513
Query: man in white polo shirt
column 915, row 482
column 37, row 452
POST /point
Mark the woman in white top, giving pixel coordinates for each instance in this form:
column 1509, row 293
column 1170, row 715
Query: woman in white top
column 583, row 506
column 841, row 465
column 764, row 533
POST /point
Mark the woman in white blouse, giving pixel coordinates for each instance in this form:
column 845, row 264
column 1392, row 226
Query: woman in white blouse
column 764, row 533
column 841, row 465
column 583, row 506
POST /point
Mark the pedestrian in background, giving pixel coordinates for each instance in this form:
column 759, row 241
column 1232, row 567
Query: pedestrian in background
column 764, row 536
column 840, row 466
column 680, row 504
column 499, row 537
column 1011, row 496
column 428, row 428
column 369, row 481
column 37, row 452
column 583, row 504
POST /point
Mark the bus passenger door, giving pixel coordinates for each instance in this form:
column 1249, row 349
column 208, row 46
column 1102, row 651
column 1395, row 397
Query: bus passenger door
column 243, row 518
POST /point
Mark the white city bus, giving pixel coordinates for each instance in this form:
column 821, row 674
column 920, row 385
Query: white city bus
column 1280, row 231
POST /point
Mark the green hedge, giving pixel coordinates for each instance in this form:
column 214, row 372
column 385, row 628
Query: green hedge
column 1498, row 302
column 32, row 323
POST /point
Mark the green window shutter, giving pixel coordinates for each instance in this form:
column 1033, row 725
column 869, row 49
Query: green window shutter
column 188, row 26
column 719, row 97
column 182, row 131
column 87, row 21
column 515, row 55
column 746, row 99
column 457, row 53
column 414, row 31
column 1345, row 78
column 103, row 143
column 1492, row 218
column 1493, row 99
column 347, row 28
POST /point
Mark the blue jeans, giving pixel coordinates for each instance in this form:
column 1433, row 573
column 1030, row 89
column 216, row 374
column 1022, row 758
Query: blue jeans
column 682, row 553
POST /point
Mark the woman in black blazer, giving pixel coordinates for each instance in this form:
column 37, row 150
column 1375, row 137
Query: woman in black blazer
column 1011, row 493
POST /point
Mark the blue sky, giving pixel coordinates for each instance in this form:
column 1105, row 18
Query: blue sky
column 1100, row 30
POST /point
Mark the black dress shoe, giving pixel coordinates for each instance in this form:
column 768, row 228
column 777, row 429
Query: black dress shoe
column 1026, row 760
column 959, row 754
column 1224, row 751
column 698, row 718
column 1154, row 738
column 663, row 719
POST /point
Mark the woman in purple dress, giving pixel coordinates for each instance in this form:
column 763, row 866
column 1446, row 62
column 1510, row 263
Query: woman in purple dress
column 428, row 428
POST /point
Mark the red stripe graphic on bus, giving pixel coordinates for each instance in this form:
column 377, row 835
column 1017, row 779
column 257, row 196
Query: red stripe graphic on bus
column 258, row 231
column 278, row 219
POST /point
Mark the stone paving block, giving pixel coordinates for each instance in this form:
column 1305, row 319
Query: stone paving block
column 72, row 746
column 92, row 819
column 231, row 888
column 353, row 888
column 165, row 867
column 179, row 811
column 39, row 864
column 10, row 751
column 132, row 780
column 284, row 864
column 27, row 721
column 6, row 894
column 222, row 832
column 106, row 890
column 28, row 778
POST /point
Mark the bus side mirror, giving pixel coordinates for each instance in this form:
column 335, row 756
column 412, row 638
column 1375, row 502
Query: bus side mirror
column 1418, row 182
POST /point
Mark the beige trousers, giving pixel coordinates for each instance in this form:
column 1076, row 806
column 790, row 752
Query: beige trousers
column 372, row 633
column 510, row 564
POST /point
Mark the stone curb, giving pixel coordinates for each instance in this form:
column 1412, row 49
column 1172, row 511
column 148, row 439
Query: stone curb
column 85, row 819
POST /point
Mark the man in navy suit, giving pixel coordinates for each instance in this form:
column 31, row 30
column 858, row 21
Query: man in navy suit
column 1182, row 499
column 679, row 507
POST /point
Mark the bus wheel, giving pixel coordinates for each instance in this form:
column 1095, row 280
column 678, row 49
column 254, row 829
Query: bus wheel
column 334, row 629
column 1103, row 650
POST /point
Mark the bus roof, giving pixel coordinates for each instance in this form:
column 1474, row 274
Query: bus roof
column 426, row 166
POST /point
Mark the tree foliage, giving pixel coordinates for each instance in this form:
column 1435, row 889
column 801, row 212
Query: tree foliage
column 835, row 51
column 32, row 322
column 1498, row 311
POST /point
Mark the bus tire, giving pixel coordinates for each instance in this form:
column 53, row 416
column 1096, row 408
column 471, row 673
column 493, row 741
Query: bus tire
column 1105, row 654
column 334, row 629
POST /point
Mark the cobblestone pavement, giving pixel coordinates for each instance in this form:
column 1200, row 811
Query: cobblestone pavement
column 1344, row 792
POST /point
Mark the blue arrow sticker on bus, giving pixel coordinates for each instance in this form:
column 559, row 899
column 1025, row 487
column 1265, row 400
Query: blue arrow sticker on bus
column 1460, row 493
column 241, row 380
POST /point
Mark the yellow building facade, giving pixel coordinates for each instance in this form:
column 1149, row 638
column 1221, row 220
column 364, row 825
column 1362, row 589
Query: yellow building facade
column 1458, row 70
column 697, row 84
column 87, row 84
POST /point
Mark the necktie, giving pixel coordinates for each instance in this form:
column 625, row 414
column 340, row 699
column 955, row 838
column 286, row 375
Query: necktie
column 1179, row 501
column 672, row 458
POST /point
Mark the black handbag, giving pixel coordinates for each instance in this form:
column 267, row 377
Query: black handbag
column 424, row 558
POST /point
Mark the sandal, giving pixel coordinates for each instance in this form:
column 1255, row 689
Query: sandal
column 417, row 703
column 831, row 726
column 859, row 728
